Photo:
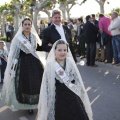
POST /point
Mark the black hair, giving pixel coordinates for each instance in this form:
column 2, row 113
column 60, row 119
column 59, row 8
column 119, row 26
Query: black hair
column 25, row 20
column 93, row 15
column 101, row 15
column 42, row 22
column 80, row 20
column 65, row 23
column 88, row 17
column 59, row 42
column 71, row 20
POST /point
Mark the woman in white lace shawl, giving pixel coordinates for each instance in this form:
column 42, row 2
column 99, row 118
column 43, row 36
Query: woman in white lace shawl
column 62, row 98
column 24, row 70
column 3, row 59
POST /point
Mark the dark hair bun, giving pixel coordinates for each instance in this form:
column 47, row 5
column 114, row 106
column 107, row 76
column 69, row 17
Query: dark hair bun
column 25, row 20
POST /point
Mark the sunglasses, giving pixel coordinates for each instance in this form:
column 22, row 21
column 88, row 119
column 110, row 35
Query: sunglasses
column 27, row 24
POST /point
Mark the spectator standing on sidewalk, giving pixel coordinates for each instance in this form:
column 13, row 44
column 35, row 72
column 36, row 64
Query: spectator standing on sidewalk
column 104, row 22
column 115, row 31
column 80, row 38
column 3, row 60
column 90, row 33
column 95, row 22
column 8, row 32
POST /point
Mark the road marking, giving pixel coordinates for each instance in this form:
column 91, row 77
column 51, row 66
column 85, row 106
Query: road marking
column 118, row 77
column 3, row 108
column 106, row 73
column 95, row 99
column 23, row 118
column 88, row 88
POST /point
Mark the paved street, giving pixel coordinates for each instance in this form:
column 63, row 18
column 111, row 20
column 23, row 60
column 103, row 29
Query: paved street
column 103, row 86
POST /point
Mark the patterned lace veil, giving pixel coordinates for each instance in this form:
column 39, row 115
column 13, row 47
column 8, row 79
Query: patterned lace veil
column 46, row 106
column 14, row 54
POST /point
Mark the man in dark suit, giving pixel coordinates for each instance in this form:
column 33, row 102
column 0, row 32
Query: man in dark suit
column 12, row 30
column 55, row 32
column 94, row 20
column 90, row 34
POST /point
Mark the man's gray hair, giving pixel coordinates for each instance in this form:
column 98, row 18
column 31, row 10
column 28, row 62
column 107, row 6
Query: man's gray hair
column 56, row 12
column 115, row 13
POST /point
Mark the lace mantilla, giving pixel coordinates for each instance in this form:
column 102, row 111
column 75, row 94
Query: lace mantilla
column 46, row 107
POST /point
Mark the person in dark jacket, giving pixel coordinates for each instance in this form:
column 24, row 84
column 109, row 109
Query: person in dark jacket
column 80, row 38
column 104, row 23
column 90, row 33
column 8, row 30
column 55, row 32
column 94, row 20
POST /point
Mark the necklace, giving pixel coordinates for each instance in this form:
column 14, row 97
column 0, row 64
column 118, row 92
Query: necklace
column 63, row 64
column 29, row 37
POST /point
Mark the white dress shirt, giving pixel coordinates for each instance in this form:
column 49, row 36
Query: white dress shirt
column 61, row 31
column 7, row 28
column 114, row 26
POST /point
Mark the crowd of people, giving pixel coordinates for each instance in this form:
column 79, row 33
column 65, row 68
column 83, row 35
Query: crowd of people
column 95, row 39
column 56, row 89
column 95, row 42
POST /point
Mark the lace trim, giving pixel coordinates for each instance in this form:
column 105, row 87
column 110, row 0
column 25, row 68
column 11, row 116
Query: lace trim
column 51, row 115
column 33, row 43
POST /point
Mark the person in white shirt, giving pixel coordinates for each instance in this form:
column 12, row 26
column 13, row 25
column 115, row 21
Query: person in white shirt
column 8, row 32
column 114, row 27
column 55, row 32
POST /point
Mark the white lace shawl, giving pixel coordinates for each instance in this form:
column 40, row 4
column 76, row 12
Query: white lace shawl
column 46, row 106
column 33, row 43
column 4, row 53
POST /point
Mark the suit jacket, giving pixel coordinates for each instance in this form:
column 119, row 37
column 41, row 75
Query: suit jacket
column 51, row 35
column 80, row 30
column 96, row 23
column 49, row 23
column 11, row 28
column 90, row 32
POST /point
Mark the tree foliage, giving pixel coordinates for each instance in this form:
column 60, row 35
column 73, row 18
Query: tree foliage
column 117, row 10
column 24, row 5
column 7, row 7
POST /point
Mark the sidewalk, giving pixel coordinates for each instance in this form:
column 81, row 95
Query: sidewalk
column 99, row 63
